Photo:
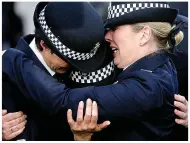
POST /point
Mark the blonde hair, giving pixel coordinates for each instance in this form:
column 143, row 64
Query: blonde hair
column 160, row 31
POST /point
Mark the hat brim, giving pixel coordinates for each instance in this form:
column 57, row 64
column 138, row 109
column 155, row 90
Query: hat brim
column 144, row 15
column 110, row 79
column 89, row 65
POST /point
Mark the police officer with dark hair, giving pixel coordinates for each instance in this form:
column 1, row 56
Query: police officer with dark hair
column 68, row 37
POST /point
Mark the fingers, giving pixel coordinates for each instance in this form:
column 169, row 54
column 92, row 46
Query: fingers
column 180, row 98
column 12, row 116
column 70, row 118
column 80, row 112
column 12, row 123
column 94, row 113
column 88, row 113
column 181, row 106
column 180, row 114
column 6, row 125
column 17, row 121
column 4, row 112
column 19, row 126
column 102, row 125
column 15, row 128
column 182, row 111
column 94, row 117
column 14, row 134
column 182, row 122
column 83, row 129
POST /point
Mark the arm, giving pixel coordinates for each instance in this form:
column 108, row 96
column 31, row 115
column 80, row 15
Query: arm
column 113, row 100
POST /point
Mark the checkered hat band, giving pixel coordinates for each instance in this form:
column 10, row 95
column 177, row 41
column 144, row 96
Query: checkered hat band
column 92, row 77
column 118, row 10
column 61, row 47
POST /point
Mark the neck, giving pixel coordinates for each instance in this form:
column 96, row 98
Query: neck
column 142, row 53
column 148, row 49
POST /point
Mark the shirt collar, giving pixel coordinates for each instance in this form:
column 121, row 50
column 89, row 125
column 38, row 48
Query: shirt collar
column 126, row 67
column 39, row 56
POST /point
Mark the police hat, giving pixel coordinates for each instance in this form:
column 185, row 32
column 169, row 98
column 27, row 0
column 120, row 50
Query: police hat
column 105, row 75
column 135, row 12
column 74, row 31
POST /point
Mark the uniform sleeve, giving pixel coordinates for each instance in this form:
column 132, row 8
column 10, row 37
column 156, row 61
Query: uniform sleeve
column 131, row 98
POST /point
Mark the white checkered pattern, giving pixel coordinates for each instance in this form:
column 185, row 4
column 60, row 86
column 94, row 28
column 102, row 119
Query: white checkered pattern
column 118, row 10
column 61, row 47
column 92, row 77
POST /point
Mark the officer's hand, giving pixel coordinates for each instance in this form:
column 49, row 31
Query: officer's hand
column 182, row 111
column 83, row 128
column 13, row 124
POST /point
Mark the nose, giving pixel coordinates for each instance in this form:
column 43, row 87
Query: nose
column 108, row 36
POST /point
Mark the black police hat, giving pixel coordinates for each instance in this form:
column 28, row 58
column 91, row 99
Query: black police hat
column 135, row 12
column 74, row 31
column 105, row 75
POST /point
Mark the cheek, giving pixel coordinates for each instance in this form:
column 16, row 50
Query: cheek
column 62, row 63
column 55, row 63
column 58, row 62
column 118, row 38
column 50, row 60
column 123, row 54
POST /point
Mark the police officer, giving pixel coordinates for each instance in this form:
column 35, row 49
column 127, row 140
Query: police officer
column 63, row 40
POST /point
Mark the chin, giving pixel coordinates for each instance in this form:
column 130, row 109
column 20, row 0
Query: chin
column 116, row 61
column 119, row 67
column 116, row 64
column 61, row 72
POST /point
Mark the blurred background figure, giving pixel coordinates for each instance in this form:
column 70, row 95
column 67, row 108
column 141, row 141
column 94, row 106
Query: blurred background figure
column 26, row 11
column 12, row 26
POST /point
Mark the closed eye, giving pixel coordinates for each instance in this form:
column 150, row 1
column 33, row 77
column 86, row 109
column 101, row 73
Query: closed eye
column 114, row 28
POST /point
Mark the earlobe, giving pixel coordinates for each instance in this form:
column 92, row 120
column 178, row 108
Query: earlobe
column 43, row 45
column 141, row 42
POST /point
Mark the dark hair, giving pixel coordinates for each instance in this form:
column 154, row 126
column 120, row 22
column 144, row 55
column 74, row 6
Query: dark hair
column 37, row 40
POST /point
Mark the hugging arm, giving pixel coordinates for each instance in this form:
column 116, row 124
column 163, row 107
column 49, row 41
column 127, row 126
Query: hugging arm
column 112, row 100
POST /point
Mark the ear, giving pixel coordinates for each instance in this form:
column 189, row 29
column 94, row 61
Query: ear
column 146, row 35
column 43, row 45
